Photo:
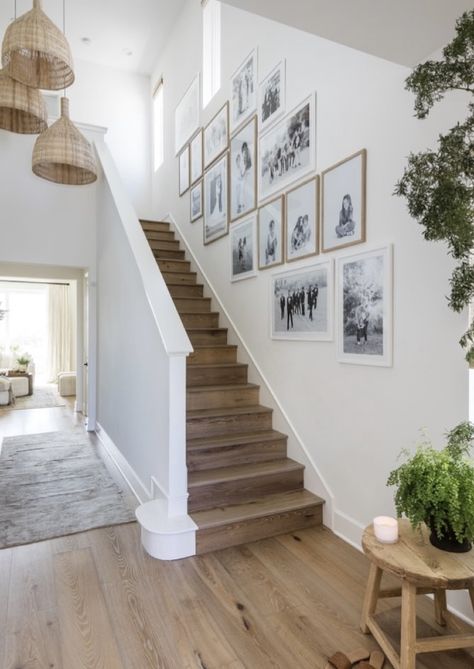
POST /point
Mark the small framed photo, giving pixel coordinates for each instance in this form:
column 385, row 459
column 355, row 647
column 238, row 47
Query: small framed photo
column 243, row 170
column 301, row 303
column 216, row 200
column 196, row 159
column 243, row 94
column 272, row 96
column 186, row 115
column 302, row 220
column 343, row 203
column 271, row 219
column 196, row 201
column 243, row 249
column 364, row 307
column 216, row 136
column 287, row 152
column 184, row 171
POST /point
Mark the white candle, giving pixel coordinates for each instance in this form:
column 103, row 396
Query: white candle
column 386, row 529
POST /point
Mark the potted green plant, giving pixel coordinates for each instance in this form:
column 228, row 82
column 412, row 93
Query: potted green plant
column 23, row 361
column 436, row 487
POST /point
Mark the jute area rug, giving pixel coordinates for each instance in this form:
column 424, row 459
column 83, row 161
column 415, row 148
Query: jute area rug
column 44, row 397
column 55, row 484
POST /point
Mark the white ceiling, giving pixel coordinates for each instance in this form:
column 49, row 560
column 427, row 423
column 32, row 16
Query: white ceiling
column 403, row 31
column 113, row 26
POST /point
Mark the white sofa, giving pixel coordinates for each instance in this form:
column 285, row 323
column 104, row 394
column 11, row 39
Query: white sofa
column 19, row 385
column 5, row 388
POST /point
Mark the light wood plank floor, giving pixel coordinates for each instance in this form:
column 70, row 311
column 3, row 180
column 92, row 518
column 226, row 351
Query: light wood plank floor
column 95, row 600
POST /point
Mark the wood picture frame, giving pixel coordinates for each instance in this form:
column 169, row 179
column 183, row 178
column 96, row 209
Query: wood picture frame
column 302, row 220
column 268, row 247
column 216, row 136
column 195, row 201
column 186, row 114
column 196, row 157
column 216, row 200
column 243, row 170
column 244, row 91
column 184, row 171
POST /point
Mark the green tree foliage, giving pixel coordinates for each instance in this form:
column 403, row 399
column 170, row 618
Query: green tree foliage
column 439, row 185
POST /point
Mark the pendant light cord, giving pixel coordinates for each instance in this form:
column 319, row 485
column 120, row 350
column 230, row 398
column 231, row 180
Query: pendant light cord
column 15, row 10
column 64, row 33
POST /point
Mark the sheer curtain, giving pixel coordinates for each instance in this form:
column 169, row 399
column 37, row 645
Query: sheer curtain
column 60, row 332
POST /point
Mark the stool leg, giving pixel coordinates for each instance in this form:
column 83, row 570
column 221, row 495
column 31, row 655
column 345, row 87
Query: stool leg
column 440, row 607
column 371, row 596
column 408, row 630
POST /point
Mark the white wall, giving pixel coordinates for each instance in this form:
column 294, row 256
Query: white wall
column 120, row 101
column 354, row 420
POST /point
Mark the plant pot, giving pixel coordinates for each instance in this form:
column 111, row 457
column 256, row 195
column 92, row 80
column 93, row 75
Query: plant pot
column 448, row 542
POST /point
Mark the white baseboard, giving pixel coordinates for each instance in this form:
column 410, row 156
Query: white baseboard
column 348, row 529
column 131, row 477
column 322, row 489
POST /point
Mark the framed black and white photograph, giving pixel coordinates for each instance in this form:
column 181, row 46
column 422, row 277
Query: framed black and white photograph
column 301, row 303
column 196, row 201
column 184, row 171
column 271, row 218
column 196, row 157
column 287, row 151
column 243, row 248
column 272, row 96
column 216, row 201
column 302, row 220
column 243, row 94
column 186, row 116
column 216, row 136
column 243, row 170
column 343, row 203
column 364, row 307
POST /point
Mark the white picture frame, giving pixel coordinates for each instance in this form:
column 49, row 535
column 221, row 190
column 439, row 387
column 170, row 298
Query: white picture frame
column 343, row 203
column 272, row 96
column 243, row 91
column 311, row 291
column 243, row 249
column 365, row 307
column 243, row 170
column 302, row 220
column 271, row 233
column 287, row 151
column 216, row 136
column 216, row 200
column 195, row 201
column 186, row 115
column 183, row 162
column 196, row 157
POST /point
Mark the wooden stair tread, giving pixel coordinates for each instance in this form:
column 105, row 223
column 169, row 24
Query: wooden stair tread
column 217, row 441
column 218, row 346
column 218, row 365
column 266, row 506
column 202, row 330
column 240, row 472
column 228, row 411
column 221, row 388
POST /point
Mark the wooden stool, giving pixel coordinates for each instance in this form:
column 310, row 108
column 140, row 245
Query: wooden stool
column 423, row 570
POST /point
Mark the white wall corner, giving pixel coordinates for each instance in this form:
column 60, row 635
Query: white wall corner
column 164, row 537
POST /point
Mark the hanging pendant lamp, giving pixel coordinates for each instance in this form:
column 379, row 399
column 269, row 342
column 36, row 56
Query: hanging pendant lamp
column 62, row 154
column 36, row 53
column 22, row 109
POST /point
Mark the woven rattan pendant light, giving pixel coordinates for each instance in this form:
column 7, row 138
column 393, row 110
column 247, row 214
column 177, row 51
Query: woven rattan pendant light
column 36, row 53
column 62, row 154
column 22, row 109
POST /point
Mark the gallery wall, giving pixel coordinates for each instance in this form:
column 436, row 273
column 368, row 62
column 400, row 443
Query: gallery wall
column 352, row 419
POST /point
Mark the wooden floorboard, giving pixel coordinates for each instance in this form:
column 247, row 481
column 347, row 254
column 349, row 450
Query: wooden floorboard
column 97, row 601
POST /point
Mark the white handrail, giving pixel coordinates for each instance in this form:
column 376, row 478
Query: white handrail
column 173, row 335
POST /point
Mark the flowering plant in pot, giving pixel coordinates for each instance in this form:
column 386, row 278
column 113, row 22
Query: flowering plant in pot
column 23, row 361
column 436, row 487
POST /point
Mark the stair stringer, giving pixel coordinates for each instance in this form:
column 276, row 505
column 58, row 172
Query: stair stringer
column 313, row 479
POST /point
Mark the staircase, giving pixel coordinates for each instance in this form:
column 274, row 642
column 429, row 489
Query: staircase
column 241, row 485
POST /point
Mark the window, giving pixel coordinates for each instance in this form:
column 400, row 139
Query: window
column 158, row 126
column 211, row 49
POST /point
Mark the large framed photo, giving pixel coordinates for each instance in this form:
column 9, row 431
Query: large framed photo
column 196, row 157
column 301, row 305
column 184, row 171
column 302, row 220
column 186, row 115
column 216, row 136
column 243, row 248
column 364, row 307
column 216, row 201
column 272, row 96
column 287, row 151
column 271, row 219
column 243, row 170
column 196, row 201
column 243, row 95
column 343, row 202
